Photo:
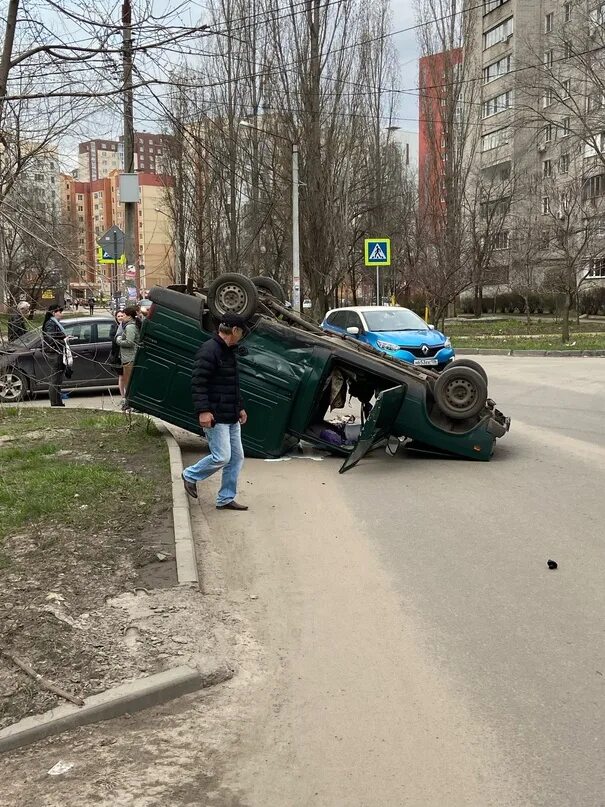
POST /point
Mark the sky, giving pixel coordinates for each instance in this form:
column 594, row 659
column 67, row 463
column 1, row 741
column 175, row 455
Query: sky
column 406, row 46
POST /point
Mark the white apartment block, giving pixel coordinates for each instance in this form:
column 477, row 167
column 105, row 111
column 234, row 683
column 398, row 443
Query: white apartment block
column 540, row 112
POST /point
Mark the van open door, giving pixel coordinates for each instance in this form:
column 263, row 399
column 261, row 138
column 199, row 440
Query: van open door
column 378, row 426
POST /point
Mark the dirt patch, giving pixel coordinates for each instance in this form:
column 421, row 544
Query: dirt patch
column 85, row 515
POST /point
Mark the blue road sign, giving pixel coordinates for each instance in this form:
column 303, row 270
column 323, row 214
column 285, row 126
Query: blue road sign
column 377, row 251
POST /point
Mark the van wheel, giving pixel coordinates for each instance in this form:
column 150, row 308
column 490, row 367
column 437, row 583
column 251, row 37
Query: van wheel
column 460, row 392
column 233, row 293
column 474, row 365
column 13, row 387
column 271, row 286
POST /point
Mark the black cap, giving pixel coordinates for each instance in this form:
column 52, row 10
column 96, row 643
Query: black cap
column 233, row 321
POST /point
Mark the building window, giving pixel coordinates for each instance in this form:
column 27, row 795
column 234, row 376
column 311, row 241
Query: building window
column 548, row 133
column 564, row 164
column 549, row 97
column 567, row 50
column 490, row 5
column 565, row 127
column 594, row 187
column 547, row 168
column 545, row 206
column 566, row 88
column 549, row 58
column 502, row 240
column 494, row 139
column 497, row 104
column 500, row 33
column 497, row 69
column 596, row 147
column 80, row 208
column 548, row 23
column 597, row 268
column 567, row 11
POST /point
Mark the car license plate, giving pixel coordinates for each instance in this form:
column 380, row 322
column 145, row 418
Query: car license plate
column 426, row 362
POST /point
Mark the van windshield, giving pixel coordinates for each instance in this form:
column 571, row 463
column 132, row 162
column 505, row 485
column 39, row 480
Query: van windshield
column 394, row 319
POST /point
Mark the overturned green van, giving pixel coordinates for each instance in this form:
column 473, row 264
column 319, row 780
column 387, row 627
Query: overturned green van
column 292, row 373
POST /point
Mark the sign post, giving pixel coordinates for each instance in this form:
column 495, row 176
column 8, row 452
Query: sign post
column 113, row 248
column 377, row 252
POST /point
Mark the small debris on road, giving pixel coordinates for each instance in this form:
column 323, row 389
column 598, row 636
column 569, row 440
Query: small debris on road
column 552, row 564
column 60, row 768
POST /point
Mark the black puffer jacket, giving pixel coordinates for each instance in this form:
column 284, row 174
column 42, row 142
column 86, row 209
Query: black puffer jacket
column 215, row 381
column 53, row 338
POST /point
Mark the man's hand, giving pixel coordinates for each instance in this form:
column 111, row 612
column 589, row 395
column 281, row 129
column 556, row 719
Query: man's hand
column 206, row 420
column 243, row 417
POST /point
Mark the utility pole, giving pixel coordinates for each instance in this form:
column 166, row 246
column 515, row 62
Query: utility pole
column 5, row 65
column 130, row 207
column 295, row 233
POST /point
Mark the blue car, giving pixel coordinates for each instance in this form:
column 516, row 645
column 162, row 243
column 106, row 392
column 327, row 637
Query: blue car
column 398, row 332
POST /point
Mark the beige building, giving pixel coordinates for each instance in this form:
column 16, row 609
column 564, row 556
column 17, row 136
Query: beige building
column 91, row 208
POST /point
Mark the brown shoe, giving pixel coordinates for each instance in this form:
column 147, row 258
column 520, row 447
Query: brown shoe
column 190, row 487
column 231, row 506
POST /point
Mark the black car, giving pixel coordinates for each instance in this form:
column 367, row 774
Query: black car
column 24, row 368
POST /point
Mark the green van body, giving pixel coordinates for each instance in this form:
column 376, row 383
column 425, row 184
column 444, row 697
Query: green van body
column 283, row 372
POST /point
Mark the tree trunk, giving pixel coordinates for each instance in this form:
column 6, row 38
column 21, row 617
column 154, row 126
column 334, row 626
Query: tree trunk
column 566, row 312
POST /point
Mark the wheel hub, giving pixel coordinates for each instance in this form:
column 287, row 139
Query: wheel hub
column 11, row 387
column 232, row 298
column 461, row 394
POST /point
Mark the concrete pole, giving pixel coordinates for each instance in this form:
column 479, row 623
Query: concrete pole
column 130, row 208
column 296, row 301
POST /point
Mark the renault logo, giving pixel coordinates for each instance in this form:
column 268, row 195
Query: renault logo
column 425, row 349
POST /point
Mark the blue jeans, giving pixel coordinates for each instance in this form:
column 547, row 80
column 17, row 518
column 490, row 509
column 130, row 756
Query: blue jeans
column 226, row 453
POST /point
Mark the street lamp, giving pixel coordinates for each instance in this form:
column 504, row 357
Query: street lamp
column 296, row 302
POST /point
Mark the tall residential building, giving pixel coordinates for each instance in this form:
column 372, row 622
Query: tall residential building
column 92, row 207
column 433, row 94
column 98, row 158
column 541, row 120
column 408, row 144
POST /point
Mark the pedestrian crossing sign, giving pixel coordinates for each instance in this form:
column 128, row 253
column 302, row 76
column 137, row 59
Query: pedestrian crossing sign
column 377, row 251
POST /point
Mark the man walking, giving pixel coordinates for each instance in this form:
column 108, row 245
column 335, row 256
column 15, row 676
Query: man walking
column 91, row 305
column 220, row 410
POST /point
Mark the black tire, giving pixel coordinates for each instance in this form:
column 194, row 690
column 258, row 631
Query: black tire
column 474, row 365
column 232, row 293
column 14, row 387
column 272, row 286
column 460, row 392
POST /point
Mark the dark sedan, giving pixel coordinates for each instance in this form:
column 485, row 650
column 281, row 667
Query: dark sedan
column 24, row 368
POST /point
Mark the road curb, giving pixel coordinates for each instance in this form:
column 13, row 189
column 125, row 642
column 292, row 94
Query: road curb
column 127, row 698
column 479, row 351
column 184, row 545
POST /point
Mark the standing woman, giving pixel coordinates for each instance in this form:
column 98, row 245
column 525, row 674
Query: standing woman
column 53, row 339
column 114, row 357
column 128, row 342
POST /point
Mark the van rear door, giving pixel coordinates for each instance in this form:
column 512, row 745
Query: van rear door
column 379, row 425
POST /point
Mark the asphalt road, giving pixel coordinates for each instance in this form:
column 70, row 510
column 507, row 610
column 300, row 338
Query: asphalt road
column 467, row 546
column 424, row 653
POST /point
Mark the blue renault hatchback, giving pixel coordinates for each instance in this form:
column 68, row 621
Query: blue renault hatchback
column 398, row 332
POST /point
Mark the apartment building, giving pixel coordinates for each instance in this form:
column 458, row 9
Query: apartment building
column 541, row 121
column 91, row 208
column 432, row 146
column 98, row 158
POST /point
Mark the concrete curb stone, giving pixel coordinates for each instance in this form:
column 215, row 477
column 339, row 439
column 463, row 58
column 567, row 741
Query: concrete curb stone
column 127, row 698
column 186, row 561
column 477, row 351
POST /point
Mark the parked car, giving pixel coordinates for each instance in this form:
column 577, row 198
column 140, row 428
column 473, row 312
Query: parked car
column 398, row 332
column 293, row 372
column 24, row 368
